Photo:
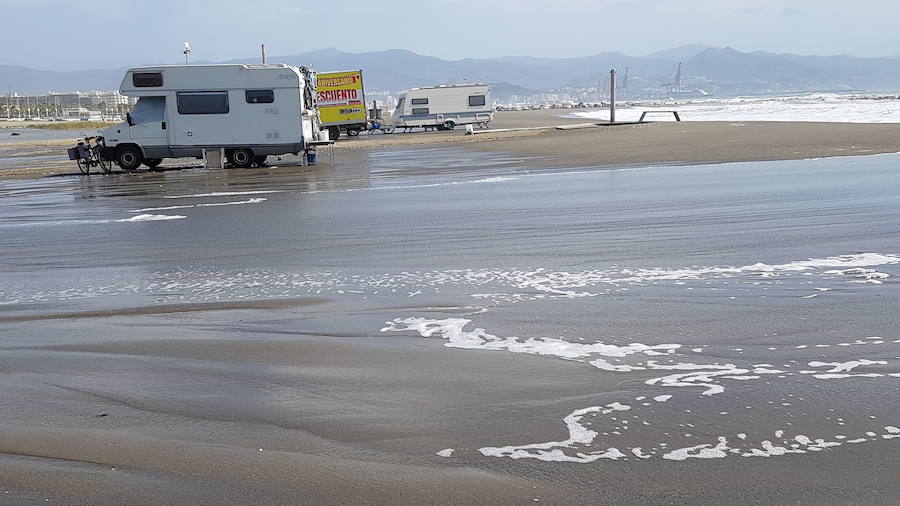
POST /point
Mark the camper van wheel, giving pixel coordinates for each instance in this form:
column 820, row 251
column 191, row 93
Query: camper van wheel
column 259, row 160
column 129, row 158
column 353, row 132
column 152, row 163
column 334, row 133
column 240, row 158
column 448, row 125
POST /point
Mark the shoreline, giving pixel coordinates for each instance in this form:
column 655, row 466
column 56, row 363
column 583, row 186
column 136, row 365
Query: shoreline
column 599, row 146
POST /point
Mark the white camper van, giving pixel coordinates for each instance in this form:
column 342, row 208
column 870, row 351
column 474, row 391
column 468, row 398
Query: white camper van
column 444, row 107
column 250, row 111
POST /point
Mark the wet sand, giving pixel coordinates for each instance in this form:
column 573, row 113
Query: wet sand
column 259, row 349
column 649, row 143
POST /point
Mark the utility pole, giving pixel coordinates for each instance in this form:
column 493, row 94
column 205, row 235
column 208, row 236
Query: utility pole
column 264, row 55
column 8, row 107
column 612, row 96
column 186, row 51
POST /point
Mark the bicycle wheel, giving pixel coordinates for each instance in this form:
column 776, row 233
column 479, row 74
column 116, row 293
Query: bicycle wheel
column 84, row 166
column 105, row 166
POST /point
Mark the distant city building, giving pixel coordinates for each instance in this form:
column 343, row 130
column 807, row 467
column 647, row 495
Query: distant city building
column 111, row 104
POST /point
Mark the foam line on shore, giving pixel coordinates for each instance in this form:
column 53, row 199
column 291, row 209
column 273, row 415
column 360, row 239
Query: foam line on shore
column 499, row 286
column 134, row 219
column 582, row 444
column 222, row 194
column 193, row 206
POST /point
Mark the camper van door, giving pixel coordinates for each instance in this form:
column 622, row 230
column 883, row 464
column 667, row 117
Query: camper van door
column 204, row 120
column 148, row 118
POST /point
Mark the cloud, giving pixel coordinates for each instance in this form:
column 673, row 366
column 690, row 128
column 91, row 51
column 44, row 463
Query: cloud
column 793, row 12
column 749, row 11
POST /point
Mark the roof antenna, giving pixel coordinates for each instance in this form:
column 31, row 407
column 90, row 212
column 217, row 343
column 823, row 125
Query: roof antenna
column 186, row 51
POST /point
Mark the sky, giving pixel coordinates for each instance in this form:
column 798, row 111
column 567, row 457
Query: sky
column 62, row 35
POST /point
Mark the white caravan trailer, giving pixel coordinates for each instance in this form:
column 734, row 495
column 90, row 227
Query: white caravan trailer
column 444, row 107
column 250, row 111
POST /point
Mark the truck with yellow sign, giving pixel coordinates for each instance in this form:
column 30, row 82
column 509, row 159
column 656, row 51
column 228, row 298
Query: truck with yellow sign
column 342, row 102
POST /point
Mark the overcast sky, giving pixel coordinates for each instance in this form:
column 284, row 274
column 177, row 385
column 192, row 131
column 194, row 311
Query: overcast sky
column 66, row 35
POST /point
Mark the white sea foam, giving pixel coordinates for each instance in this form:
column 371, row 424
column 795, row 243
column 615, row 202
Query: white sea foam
column 818, row 107
column 844, row 367
column 704, row 451
column 151, row 217
column 453, row 329
column 193, row 206
column 133, row 219
column 639, row 453
column 552, row 451
column 578, row 447
column 222, row 194
column 507, row 286
column 495, row 179
column 582, row 445
column 445, row 453
column 166, row 208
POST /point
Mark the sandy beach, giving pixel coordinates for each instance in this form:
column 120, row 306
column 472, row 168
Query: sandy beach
column 649, row 143
column 449, row 319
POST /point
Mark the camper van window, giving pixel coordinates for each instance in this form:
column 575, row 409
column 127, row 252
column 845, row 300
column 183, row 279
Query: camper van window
column 149, row 110
column 420, row 101
column 147, row 79
column 420, row 110
column 476, row 101
column 203, row 102
column 260, row 96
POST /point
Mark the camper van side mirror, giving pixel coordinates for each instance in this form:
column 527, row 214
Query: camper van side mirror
column 129, row 119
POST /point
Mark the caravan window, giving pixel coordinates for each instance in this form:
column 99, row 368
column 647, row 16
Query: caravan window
column 476, row 101
column 203, row 102
column 260, row 96
column 147, row 79
column 420, row 110
column 420, row 101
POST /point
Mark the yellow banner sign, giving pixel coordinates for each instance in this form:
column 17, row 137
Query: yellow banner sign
column 341, row 97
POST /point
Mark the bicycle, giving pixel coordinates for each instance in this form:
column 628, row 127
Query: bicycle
column 87, row 155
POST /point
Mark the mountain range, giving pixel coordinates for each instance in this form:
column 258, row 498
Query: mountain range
column 718, row 71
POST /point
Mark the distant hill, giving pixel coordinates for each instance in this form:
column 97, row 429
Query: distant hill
column 680, row 53
column 722, row 70
column 26, row 80
column 729, row 65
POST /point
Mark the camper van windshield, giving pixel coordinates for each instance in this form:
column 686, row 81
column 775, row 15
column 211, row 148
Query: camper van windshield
column 149, row 110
